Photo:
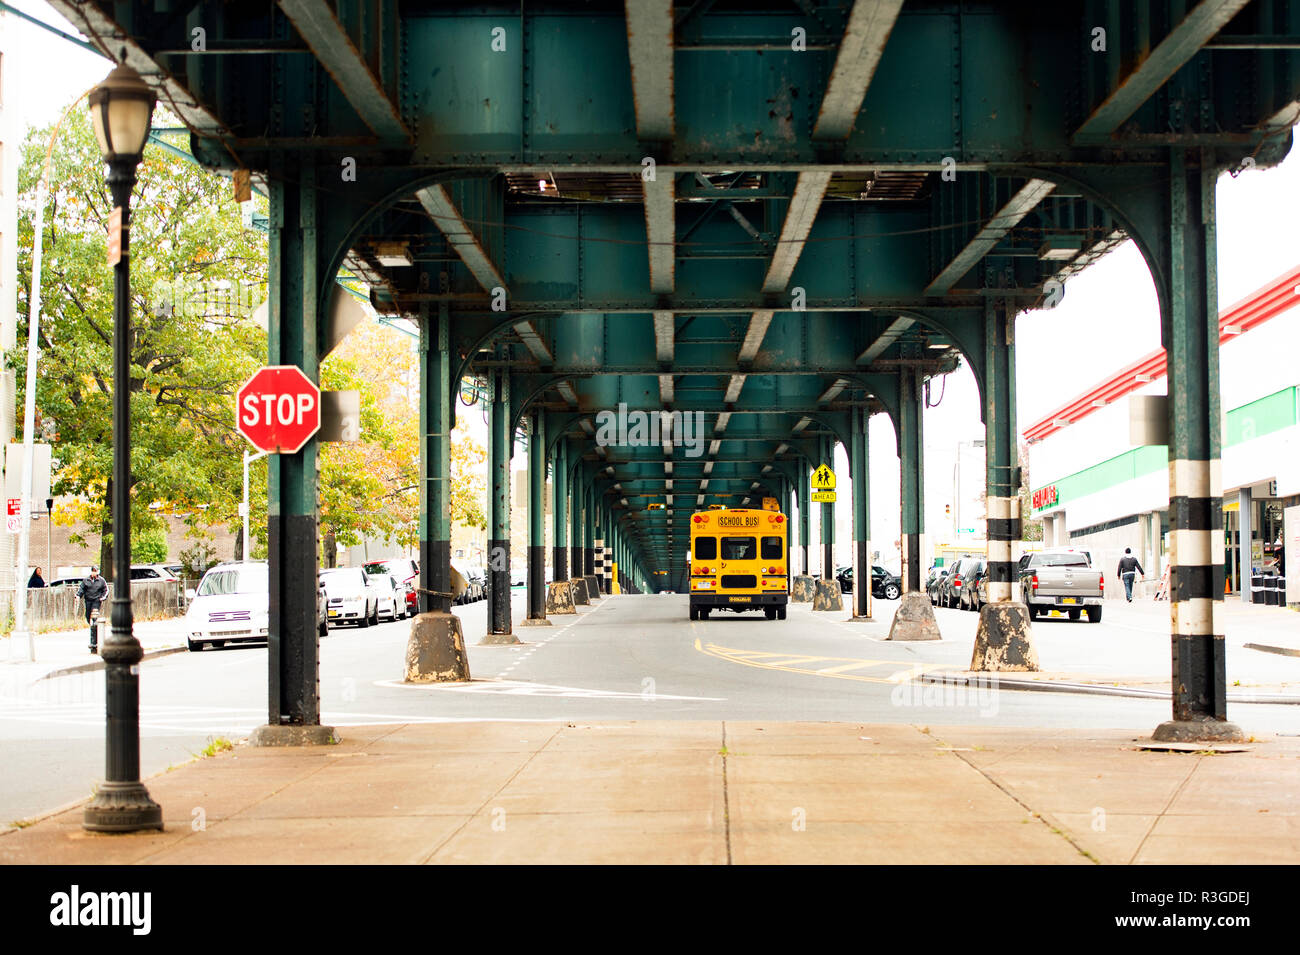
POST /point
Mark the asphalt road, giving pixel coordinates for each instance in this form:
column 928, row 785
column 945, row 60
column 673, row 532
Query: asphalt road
column 627, row 658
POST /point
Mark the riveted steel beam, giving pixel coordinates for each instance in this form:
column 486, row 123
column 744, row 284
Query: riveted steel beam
column 887, row 338
column 661, row 230
column 997, row 228
column 865, row 36
column 1182, row 43
column 650, row 48
column 318, row 24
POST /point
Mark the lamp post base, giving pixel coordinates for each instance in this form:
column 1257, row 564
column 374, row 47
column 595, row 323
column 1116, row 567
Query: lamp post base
column 122, row 807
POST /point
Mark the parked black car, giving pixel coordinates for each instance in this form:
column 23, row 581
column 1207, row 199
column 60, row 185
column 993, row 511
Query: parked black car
column 937, row 586
column 973, row 570
column 883, row 584
column 955, row 583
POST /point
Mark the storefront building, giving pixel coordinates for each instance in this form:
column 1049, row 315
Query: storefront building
column 1102, row 483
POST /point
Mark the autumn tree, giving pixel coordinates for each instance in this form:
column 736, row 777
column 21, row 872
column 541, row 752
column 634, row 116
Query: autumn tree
column 196, row 273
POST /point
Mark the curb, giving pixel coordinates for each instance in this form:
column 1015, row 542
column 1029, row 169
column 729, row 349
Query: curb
column 99, row 664
column 1088, row 689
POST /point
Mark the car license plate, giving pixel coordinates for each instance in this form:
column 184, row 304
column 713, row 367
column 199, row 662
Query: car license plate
column 334, row 613
column 740, row 600
column 1069, row 600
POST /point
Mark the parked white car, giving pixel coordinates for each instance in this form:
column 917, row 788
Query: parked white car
column 231, row 604
column 351, row 596
column 390, row 597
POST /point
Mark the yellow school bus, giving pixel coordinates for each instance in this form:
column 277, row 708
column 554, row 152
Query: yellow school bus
column 738, row 562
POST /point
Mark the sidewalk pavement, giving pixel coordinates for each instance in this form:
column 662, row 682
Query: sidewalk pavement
column 68, row 650
column 708, row 792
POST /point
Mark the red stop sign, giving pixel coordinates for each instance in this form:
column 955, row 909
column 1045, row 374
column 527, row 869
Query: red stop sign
column 278, row 409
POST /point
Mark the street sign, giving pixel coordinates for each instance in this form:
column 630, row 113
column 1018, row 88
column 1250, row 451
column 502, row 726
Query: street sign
column 278, row 409
column 14, row 518
column 822, row 497
column 771, row 504
column 823, row 479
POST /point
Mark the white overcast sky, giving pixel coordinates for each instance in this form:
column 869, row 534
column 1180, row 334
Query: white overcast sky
column 1107, row 319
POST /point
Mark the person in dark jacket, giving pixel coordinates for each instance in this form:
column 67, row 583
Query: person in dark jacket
column 36, row 580
column 93, row 590
column 1128, row 569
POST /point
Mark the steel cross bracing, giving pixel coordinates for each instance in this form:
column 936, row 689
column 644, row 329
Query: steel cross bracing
column 783, row 215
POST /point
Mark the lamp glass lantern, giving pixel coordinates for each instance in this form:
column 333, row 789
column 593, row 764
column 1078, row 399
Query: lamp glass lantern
column 121, row 109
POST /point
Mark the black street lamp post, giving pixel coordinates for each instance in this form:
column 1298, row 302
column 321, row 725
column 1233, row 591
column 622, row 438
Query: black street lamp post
column 121, row 108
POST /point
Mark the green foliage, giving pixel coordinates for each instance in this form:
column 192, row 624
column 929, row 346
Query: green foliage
column 197, row 558
column 196, row 273
column 149, row 547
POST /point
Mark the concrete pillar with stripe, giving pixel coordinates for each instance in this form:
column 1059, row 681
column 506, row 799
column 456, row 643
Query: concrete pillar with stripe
column 1190, row 329
column 1003, row 636
column 1001, row 451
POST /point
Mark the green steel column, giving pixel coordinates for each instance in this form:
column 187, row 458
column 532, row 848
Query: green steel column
column 435, row 461
column 293, row 296
column 1191, row 338
column 1002, row 455
column 805, row 509
column 500, row 440
column 828, row 515
column 911, row 405
column 860, row 475
column 536, row 517
column 560, row 511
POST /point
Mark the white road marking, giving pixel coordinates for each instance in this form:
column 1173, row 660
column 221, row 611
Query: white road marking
column 516, row 688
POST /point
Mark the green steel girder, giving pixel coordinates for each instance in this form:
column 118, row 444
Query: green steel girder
column 760, row 267
column 1039, row 92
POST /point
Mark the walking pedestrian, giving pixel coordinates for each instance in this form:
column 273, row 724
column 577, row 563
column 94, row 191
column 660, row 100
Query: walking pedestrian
column 93, row 590
column 36, row 580
column 1129, row 568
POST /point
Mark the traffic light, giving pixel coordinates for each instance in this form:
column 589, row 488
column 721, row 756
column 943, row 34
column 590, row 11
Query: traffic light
column 947, row 510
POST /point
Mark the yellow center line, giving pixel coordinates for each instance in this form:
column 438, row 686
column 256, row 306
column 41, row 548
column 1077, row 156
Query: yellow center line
column 773, row 661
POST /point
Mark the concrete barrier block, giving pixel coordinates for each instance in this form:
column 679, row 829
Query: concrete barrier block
column 826, row 595
column 559, row 598
column 801, row 589
column 435, row 651
column 580, row 597
column 914, row 619
column 1196, row 731
column 1004, row 638
column 293, row 735
column 593, row 588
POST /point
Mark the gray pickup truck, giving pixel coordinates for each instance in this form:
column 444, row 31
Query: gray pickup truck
column 1062, row 579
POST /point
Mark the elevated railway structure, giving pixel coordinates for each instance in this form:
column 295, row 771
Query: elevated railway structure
column 770, row 219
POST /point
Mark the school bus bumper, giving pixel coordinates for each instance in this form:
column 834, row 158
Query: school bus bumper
column 740, row 601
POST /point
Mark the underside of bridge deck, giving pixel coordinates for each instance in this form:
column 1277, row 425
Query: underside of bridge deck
column 762, row 222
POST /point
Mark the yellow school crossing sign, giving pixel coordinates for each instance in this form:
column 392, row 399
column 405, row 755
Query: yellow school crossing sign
column 823, row 485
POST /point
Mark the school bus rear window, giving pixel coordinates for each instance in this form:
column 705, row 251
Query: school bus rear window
column 706, row 548
column 771, row 548
column 739, row 548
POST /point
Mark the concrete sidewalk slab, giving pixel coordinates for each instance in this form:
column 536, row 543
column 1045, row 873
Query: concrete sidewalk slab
column 675, row 792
